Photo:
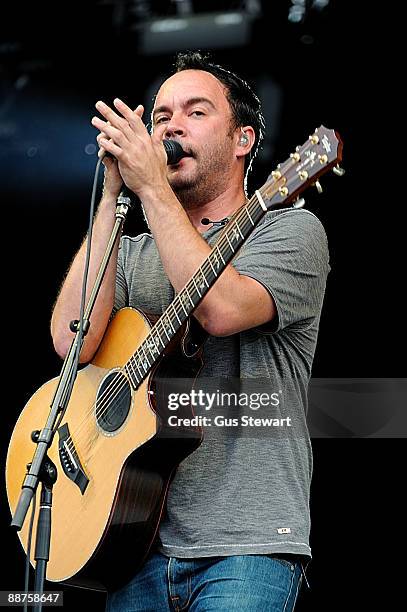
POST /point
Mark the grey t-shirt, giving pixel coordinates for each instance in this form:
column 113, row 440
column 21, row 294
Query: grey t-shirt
column 247, row 492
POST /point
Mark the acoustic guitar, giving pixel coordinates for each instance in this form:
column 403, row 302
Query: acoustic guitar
column 114, row 450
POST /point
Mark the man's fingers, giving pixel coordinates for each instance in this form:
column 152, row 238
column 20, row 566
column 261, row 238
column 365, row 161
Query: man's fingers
column 109, row 146
column 116, row 132
column 139, row 110
column 158, row 133
column 129, row 123
column 112, row 119
column 101, row 152
column 110, row 131
column 108, row 113
column 157, row 139
column 128, row 114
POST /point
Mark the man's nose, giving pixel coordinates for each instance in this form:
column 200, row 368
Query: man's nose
column 174, row 127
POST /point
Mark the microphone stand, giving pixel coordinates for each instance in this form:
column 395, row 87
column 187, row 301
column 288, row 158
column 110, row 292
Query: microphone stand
column 42, row 469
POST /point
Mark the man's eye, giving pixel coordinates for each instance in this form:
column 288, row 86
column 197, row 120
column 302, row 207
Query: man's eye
column 197, row 112
column 161, row 119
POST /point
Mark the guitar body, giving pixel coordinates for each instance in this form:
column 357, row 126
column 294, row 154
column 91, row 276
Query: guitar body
column 115, row 459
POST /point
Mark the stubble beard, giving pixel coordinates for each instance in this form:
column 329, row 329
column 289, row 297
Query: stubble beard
column 208, row 179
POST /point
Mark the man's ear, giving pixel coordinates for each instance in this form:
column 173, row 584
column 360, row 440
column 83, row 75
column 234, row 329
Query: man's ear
column 245, row 139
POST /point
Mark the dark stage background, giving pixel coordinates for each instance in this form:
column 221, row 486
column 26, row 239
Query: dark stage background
column 330, row 67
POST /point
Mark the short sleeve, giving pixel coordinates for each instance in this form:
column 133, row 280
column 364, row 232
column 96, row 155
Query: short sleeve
column 288, row 254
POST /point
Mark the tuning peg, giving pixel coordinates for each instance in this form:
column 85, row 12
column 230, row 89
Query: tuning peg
column 299, row 203
column 338, row 170
column 318, row 185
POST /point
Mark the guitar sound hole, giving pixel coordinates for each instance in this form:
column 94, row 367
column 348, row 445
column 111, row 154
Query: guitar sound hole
column 113, row 402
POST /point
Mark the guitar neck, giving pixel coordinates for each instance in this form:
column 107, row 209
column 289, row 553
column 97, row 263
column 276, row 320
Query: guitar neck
column 315, row 157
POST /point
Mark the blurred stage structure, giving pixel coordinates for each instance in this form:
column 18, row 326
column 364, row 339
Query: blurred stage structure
column 57, row 61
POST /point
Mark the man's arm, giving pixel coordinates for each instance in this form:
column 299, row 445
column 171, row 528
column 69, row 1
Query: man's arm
column 67, row 305
column 68, row 302
column 235, row 302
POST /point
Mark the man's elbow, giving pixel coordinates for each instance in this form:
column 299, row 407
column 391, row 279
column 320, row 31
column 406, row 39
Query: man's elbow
column 59, row 339
column 62, row 345
column 229, row 322
column 217, row 329
column 222, row 325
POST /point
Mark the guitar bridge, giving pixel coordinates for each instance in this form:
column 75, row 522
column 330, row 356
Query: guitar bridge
column 69, row 459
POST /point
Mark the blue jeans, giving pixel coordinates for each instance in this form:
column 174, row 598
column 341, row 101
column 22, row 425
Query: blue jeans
column 243, row 583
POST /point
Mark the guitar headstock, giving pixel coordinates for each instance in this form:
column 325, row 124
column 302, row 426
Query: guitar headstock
column 315, row 157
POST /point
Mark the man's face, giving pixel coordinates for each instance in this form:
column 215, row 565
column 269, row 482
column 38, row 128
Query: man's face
column 193, row 106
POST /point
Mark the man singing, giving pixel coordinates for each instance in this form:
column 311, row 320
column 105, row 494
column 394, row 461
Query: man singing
column 235, row 535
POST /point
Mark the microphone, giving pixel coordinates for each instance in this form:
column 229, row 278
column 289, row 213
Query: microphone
column 172, row 148
column 174, row 153
column 206, row 221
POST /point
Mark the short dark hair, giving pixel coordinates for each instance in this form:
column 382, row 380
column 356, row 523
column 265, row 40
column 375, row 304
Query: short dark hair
column 244, row 104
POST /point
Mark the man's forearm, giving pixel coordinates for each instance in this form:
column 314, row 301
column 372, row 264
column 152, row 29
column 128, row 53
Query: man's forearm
column 68, row 302
column 235, row 302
